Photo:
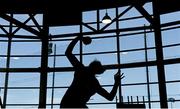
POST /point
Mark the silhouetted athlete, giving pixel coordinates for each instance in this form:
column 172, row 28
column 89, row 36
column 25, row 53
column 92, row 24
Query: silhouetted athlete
column 85, row 84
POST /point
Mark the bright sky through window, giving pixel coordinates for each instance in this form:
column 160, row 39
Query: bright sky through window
column 25, row 53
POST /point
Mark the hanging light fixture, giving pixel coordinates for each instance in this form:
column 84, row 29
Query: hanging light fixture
column 106, row 19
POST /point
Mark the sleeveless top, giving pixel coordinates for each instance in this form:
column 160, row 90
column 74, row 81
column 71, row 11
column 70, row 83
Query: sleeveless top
column 83, row 86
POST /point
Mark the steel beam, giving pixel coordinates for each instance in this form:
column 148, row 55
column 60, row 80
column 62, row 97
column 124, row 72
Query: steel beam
column 144, row 13
column 91, row 28
column 6, row 83
column 44, row 64
column 35, row 22
column 20, row 24
column 115, row 19
column 112, row 66
column 159, row 55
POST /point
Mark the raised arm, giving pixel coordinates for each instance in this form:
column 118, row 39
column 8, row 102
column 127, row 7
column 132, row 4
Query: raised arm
column 74, row 61
column 110, row 96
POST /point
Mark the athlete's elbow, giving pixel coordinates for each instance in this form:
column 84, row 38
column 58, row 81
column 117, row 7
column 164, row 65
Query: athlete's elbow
column 68, row 52
column 110, row 98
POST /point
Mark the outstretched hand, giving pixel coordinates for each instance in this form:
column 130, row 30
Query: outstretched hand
column 118, row 77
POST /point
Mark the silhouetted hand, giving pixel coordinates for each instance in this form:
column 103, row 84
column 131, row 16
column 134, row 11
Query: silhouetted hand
column 118, row 77
column 86, row 40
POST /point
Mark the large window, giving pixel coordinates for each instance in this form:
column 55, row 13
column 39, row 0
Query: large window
column 132, row 49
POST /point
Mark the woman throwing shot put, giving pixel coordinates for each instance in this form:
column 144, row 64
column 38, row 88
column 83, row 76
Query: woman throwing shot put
column 85, row 84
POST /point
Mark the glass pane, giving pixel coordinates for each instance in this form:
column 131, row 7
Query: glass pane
column 171, row 52
column 61, row 61
column 173, row 90
column 58, row 94
column 148, row 7
column 107, row 78
column 155, row 105
column 64, row 78
column 174, row 105
column 100, row 99
column 105, row 59
column 102, row 106
column 150, row 40
column 172, row 72
column 134, row 23
column 23, row 96
column 131, row 42
column 151, row 54
column 54, row 106
column 63, row 30
column 26, row 48
column 132, row 56
column 3, row 48
column 153, row 76
column 22, row 107
column 170, row 17
column 21, row 17
column 3, row 61
column 138, row 90
column 25, row 62
column 171, row 37
column 2, row 79
column 131, row 75
column 89, row 16
column 24, row 32
column 24, row 79
column 61, row 47
column 173, row 93
column 131, row 13
column 101, row 45
column 154, row 91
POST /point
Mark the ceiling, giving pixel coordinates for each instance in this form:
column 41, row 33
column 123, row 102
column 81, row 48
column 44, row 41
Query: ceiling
column 68, row 12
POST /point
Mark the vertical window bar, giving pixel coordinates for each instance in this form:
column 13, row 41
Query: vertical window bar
column 7, row 64
column 53, row 78
column 98, row 20
column 81, row 43
column 118, row 53
column 147, row 69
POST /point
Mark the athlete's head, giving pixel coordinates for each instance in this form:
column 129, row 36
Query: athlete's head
column 96, row 67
